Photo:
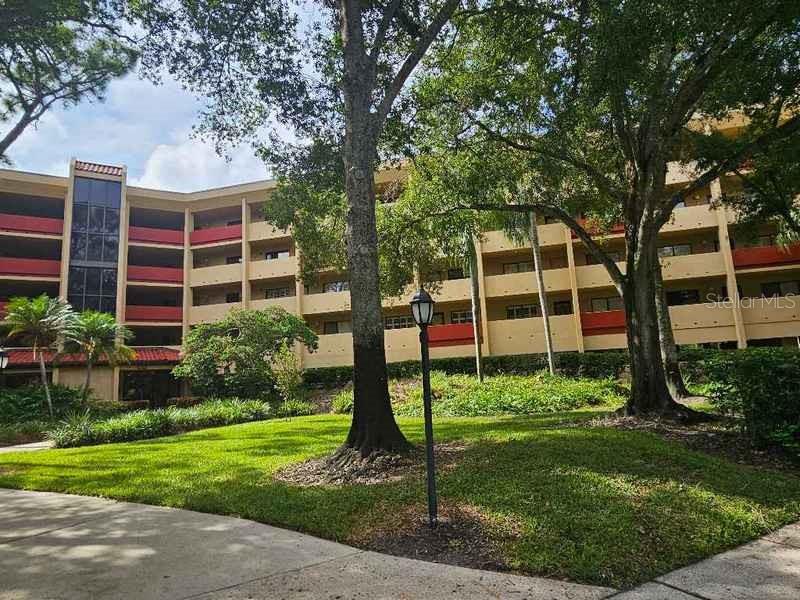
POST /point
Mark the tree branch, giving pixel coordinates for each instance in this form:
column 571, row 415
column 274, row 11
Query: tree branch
column 383, row 28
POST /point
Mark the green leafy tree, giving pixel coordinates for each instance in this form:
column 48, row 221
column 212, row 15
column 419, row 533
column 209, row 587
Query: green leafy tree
column 335, row 85
column 57, row 52
column 232, row 357
column 591, row 101
column 98, row 336
column 39, row 322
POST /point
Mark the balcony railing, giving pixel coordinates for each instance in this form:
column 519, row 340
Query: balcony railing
column 30, row 267
column 25, row 224
column 155, row 274
column 600, row 323
column 154, row 314
column 214, row 235
column 455, row 334
column 152, row 235
column 765, row 256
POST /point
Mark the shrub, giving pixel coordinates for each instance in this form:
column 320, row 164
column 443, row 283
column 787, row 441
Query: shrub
column 342, row 403
column 83, row 430
column 23, row 433
column 28, row 403
column 763, row 386
column 288, row 374
column 295, row 408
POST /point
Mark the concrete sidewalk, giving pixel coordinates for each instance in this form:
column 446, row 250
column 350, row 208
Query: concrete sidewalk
column 32, row 447
column 55, row 546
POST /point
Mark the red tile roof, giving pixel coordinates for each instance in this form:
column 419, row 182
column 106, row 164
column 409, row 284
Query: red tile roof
column 98, row 168
column 144, row 356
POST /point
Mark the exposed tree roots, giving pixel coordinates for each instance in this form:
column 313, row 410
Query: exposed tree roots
column 674, row 411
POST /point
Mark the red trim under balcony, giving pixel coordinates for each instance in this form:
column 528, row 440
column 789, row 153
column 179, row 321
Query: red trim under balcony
column 155, row 274
column 766, row 256
column 25, row 224
column 152, row 235
column 455, row 334
column 30, row 267
column 215, row 234
column 601, row 323
column 157, row 314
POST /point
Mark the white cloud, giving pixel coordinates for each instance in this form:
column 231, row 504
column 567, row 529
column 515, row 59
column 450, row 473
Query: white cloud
column 193, row 164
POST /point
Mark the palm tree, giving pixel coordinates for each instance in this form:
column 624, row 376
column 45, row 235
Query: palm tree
column 40, row 322
column 97, row 335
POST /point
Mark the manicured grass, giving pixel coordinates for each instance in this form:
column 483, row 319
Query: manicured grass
column 593, row 505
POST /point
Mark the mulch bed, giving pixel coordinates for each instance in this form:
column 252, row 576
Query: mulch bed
column 711, row 438
column 349, row 468
column 463, row 537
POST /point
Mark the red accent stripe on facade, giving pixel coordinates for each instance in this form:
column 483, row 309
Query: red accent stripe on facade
column 599, row 323
column 30, row 267
column 455, row 334
column 144, row 356
column 25, row 224
column 215, row 234
column 152, row 235
column 155, row 274
column 154, row 313
column 98, row 168
column 765, row 256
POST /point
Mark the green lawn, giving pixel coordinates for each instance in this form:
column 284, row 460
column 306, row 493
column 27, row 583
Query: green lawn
column 593, row 505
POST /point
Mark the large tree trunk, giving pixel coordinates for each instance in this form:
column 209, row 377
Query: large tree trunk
column 669, row 350
column 474, row 296
column 537, row 265
column 43, row 374
column 650, row 394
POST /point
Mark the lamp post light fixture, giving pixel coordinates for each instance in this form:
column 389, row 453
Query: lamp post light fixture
column 422, row 310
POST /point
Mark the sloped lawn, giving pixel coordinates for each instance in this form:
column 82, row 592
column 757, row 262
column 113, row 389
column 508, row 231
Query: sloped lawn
column 594, row 505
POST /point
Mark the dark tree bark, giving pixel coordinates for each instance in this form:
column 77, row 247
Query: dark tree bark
column 669, row 350
column 474, row 296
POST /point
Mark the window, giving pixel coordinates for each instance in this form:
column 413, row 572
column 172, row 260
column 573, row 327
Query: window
column 330, row 327
column 681, row 297
column 766, row 240
column 233, row 260
column 455, row 273
column 723, row 292
column 606, row 304
column 616, row 256
column 461, row 316
column 281, row 292
column 401, row 322
column 276, row 254
column 522, row 311
column 335, row 286
column 234, row 222
column 518, row 267
column 780, row 288
column 675, row 250
column 562, row 307
column 232, row 297
column 438, row 318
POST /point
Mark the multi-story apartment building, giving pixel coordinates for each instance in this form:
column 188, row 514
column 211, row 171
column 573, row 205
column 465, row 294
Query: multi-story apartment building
column 165, row 261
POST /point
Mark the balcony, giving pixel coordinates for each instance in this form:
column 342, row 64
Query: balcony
column 270, row 269
column 215, row 235
column 169, row 275
column 216, row 275
column 766, row 256
column 154, row 314
column 30, row 267
column 526, row 336
column 333, row 350
column 692, row 217
column 708, row 264
column 261, row 230
column 702, row 323
column 603, row 322
column 517, row 284
column 329, row 302
column 211, row 313
column 551, row 234
column 771, row 317
column 287, row 303
column 25, row 224
column 151, row 235
column 455, row 334
column 593, row 230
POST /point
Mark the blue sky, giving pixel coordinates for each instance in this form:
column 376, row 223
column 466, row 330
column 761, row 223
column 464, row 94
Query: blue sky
column 147, row 128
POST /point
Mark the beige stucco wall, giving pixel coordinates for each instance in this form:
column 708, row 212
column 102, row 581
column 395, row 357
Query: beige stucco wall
column 102, row 380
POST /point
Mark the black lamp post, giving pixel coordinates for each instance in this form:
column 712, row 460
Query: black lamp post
column 422, row 310
column 3, row 365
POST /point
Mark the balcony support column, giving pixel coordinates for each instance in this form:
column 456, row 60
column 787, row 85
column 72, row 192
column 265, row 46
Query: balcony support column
column 245, row 255
column 727, row 257
column 122, row 257
column 573, row 284
column 66, row 237
column 486, row 346
column 187, row 272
